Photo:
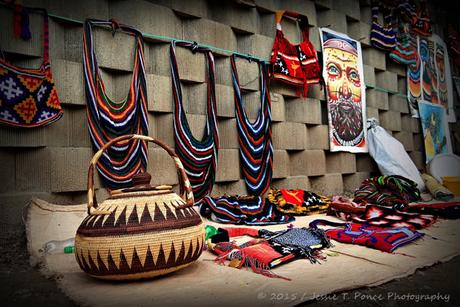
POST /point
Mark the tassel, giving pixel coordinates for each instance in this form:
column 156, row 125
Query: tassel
column 305, row 89
column 259, row 268
column 435, row 238
column 238, row 259
column 362, row 258
column 402, row 254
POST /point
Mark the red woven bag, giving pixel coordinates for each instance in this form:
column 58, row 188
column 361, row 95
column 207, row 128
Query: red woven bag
column 294, row 64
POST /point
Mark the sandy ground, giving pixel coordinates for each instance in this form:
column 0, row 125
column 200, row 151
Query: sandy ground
column 22, row 285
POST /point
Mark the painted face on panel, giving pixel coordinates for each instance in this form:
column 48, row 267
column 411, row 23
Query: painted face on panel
column 440, row 64
column 441, row 68
column 344, row 92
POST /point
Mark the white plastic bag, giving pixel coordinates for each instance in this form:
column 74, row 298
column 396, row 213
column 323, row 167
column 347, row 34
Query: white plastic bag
column 390, row 155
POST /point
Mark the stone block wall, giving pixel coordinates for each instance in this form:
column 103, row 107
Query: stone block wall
column 51, row 162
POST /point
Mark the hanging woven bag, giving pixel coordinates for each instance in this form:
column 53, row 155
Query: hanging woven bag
column 405, row 51
column 139, row 232
column 294, row 64
column 28, row 97
column 382, row 36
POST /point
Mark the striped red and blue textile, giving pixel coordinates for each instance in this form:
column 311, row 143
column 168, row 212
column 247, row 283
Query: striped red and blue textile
column 249, row 210
column 255, row 139
column 108, row 119
column 382, row 37
column 199, row 157
column 390, row 191
column 386, row 239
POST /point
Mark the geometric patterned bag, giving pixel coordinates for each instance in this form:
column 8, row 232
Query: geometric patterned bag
column 383, row 239
column 294, row 64
column 28, row 97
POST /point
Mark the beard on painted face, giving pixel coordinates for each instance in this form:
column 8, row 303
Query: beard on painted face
column 347, row 121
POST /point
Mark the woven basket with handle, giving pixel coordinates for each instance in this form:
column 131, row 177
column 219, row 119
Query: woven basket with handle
column 139, row 232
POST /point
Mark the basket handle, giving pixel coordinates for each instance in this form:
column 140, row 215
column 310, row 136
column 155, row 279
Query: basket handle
column 185, row 187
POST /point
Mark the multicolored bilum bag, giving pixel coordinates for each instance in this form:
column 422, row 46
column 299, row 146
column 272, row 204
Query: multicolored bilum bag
column 382, row 36
column 28, row 97
column 294, row 64
column 405, row 51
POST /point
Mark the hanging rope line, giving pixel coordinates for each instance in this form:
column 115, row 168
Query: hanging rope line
column 210, row 47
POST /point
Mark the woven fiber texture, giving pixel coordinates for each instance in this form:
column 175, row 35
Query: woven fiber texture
column 28, row 97
column 108, row 119
column 199, row 157
column 139, row 238
column 255, row 139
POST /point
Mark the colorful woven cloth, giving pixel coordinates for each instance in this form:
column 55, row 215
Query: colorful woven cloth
column 447, row 210
column 384, row 239
column 387, row 191
column 271, row 249
column 405, row 10
column 405, row 51
column 347, row 210
column 199, row 157
column 389, row 217
column 28, row 97
column 255, row 139
column 344, row 208
column 249, row 210
column 294, row 64
column 382, row 36
column 298, row 201
column 109, row 119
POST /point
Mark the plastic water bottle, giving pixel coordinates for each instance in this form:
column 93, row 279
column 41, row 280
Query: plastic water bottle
column 57, row 247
